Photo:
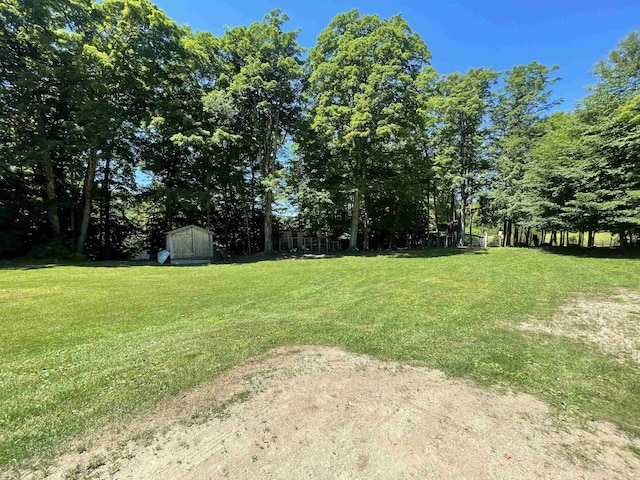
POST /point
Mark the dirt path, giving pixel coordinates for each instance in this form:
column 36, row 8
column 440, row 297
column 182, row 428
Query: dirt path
column 612, row 323
column 322, row 413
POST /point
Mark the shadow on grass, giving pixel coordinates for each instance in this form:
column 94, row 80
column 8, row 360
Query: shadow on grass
column 398, row 253
column 245, row 259
column 595, row 252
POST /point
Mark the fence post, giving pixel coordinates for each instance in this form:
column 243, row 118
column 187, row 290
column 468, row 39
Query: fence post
column 486, row 239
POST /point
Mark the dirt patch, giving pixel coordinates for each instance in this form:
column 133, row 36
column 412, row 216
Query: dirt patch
column 322, row 413
column 612, row 323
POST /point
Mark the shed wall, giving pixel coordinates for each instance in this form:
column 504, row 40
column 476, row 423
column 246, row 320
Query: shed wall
column 202, row 244
column 190, row 243
column 181, row 244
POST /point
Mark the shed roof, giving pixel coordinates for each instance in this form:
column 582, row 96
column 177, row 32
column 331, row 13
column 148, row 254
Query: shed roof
column 189, row 226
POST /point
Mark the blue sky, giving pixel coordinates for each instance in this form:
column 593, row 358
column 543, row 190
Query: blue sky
column 460, row 34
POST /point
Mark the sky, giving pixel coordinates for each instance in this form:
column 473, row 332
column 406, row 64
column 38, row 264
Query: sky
column 460, row 34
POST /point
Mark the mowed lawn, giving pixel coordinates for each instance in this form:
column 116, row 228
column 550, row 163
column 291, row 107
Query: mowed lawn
column 84, row 345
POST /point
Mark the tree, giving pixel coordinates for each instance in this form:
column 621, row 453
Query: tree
column 611, row 115
column 559, row 178
column 518, row 108
column 37, row 69
column 461, row 137
column 263, row 78
column 364, row 103
column 149, row 86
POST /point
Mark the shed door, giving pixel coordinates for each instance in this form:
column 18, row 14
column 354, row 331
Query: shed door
column 202, row 244
column 183, row 244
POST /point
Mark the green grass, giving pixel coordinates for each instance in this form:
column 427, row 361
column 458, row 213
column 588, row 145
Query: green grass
column 84, row 345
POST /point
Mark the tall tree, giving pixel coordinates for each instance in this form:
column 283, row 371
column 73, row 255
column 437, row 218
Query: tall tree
column 263, row 77
column 558, row 178
column 462, row 107
column 149, row 81
column 37, row 69
column 364, row 101
column 519, row 106
column 611, row 115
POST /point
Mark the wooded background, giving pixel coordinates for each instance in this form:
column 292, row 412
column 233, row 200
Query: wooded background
column 118, row 125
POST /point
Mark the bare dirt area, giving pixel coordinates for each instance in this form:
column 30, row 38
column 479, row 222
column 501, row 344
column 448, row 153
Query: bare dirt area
column 322, row 413
column 612, row 323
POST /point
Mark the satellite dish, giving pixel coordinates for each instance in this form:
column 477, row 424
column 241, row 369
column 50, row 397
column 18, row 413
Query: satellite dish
column 162, row 256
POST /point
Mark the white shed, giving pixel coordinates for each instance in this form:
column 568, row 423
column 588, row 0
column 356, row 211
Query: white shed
column 190, row 243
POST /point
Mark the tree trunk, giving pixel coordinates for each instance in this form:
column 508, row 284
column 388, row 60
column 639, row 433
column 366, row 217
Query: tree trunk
column 87, row 190
column 106, row 192
column 463, row 205
column 454, row 227
column 461, row 223
column 428, row 215
column 51, row 197
column 435, row 213
column 355, row 219
column 623, row 239
column 252, row 211
column 504, row 233
column 268, row 221
column 49, row 181
column 270, row 151
column 470, row 227
column 72, row 224
column 227, row 216
column 512, row 229
column 366, row 226
column 355, row 212
column 248, row 230
column 396, row 222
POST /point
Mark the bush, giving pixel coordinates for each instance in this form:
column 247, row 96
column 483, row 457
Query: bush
column 56, row 250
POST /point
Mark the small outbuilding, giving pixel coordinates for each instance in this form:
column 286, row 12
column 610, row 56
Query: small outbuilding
column 190, row 243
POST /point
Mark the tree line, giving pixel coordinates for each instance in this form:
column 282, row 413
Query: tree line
column 118, row 125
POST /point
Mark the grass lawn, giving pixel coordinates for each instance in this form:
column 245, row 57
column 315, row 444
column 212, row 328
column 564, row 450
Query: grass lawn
column 87, row 344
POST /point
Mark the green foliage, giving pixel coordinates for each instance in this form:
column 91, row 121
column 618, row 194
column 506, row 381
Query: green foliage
column 364, row 101
column 557, row 180
column 611, row 116
column 570, row 171
column 116, row 125
column 54, row 251
column 461, row 137
column 263, row 79
column 581, row 174
column 519, row 106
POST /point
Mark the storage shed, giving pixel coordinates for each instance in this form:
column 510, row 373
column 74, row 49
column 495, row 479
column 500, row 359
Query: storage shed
column 190, row 243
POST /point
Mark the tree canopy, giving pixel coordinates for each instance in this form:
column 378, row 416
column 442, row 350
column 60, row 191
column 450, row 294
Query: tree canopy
column 118, row 125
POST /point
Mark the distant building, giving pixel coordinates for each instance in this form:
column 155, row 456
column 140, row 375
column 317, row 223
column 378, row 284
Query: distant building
column 190, row 243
